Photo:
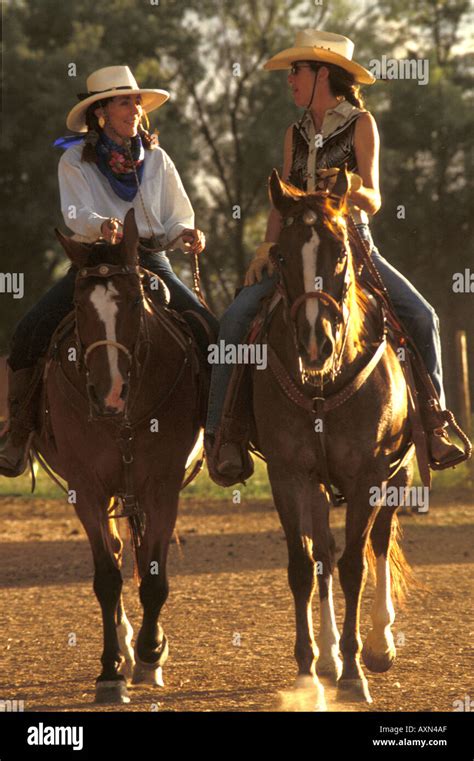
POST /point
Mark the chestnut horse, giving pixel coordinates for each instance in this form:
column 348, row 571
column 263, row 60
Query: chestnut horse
column 121, row 419
column 328, row 344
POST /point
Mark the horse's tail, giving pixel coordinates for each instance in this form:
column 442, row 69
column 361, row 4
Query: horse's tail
column 401, row 573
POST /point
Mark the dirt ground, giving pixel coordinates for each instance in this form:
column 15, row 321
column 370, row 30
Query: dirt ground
column 229, row 616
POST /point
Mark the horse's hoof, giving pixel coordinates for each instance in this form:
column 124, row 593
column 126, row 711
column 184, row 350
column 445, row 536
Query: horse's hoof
column 309, row 694
column 111, row 692
column 146, row 673
column 353, row 691
column 151, row 673
column 378, row 662
column 329, row 669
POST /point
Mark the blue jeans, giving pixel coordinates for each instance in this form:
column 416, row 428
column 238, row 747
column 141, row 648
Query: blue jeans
column 34, row 331
column 417, row 315
column 234, row 327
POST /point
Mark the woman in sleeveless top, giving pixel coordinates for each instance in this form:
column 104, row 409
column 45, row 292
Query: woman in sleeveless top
column 113, row 165
column 335, row 130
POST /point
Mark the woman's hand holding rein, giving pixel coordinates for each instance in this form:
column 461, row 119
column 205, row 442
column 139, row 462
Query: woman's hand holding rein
column 110, row 230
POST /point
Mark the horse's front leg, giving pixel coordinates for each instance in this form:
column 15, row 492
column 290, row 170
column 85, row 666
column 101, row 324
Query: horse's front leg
column 151, row 648
column 352, row 686
column 293, row 500
column 91, row 510
column 123, row 625
column 329, row 664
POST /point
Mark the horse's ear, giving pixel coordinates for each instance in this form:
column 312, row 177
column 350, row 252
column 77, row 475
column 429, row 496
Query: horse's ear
column 341, row 185
column 279, row 196
column 129, row 242
column 77, row 252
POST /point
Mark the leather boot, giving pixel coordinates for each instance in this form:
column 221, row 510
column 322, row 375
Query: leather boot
column 229, row 462
column 225, row 461
column 22, row 403
column 443, row 453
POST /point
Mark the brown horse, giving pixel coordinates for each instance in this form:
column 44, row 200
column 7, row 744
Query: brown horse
column 120, row 418
column 324, row 338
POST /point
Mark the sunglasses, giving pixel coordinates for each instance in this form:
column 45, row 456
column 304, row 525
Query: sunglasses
column 295, row 67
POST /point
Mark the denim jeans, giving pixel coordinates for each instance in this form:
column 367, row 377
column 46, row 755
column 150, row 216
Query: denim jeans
column 181, row 297
column 234, row 327
column 417, row 315
column 33, row 333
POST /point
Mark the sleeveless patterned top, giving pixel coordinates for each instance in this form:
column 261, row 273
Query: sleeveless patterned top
column 332, row 148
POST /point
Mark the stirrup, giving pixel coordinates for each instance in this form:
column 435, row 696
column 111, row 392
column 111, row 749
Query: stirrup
column 213, row 446
column 450, row 420
column 458, row 455
column 436, row 423
column 19, row 468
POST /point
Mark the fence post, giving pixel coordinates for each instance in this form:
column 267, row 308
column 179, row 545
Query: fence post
column 462, row 381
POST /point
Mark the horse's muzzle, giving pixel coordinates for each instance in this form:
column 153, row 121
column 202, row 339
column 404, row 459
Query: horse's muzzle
column 107, row 408
column 316, row 357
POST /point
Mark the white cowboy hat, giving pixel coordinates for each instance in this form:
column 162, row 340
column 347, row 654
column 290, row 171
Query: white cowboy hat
column 313, row 45
column 108, row 83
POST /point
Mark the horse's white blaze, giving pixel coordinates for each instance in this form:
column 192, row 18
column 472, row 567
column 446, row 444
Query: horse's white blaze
column 309, row 253
column 102, row 298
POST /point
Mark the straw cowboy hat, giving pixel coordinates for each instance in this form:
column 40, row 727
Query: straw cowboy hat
column 312, row 45
column 108, row 83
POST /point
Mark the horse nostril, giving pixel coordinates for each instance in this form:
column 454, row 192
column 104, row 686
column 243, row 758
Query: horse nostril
column 325, row 348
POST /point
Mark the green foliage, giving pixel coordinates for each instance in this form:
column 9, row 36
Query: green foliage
column 224, row 127
column 458, row 481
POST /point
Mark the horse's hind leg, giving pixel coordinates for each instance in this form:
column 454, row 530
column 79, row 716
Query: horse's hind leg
column 379, row 650
column 329, row 665
column 110, row 684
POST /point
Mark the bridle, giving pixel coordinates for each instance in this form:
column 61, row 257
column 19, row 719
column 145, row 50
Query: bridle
column 340, row 310
column 106, row 271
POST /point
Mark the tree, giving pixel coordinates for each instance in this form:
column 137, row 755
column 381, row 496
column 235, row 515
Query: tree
column 225, row 124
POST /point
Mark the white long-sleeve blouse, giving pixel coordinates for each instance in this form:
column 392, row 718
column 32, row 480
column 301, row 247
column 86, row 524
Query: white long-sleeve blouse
column 87, row 198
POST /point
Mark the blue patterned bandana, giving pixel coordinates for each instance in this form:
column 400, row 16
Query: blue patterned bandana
column 114, row 163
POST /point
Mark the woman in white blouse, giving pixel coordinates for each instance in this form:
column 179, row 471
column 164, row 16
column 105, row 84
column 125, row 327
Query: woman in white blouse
column 113, row 165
